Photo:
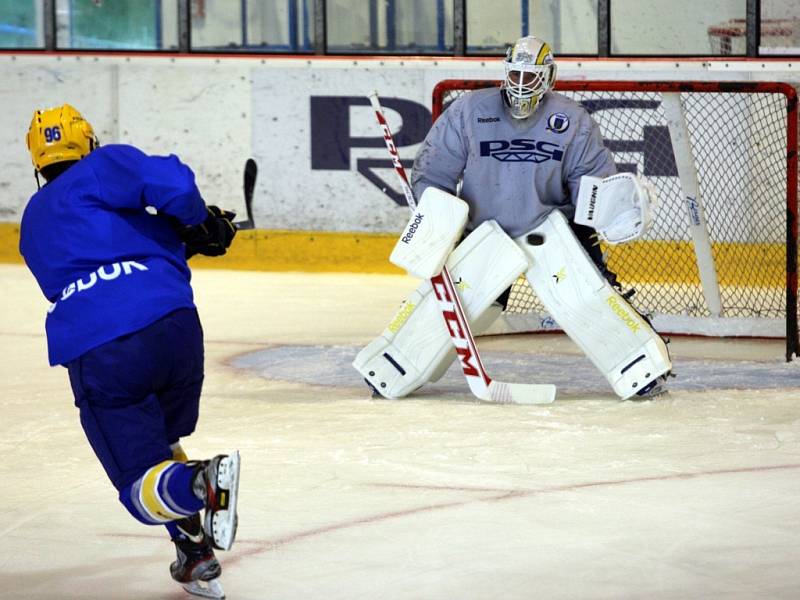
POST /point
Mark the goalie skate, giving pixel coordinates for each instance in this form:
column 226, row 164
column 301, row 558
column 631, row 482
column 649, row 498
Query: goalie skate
column 217, row 484
column 655, row 388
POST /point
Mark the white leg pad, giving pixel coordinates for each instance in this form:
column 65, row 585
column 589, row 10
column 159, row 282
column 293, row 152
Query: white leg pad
column 415, row 348
column 618, row 341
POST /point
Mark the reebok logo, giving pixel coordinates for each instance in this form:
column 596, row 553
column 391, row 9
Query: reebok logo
column 488, row 119
column 412, row 228
column 522, row 150
column 632, row 323
column 104, row 273
column 401, row 317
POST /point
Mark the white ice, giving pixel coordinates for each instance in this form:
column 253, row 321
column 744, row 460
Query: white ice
column 693, row 495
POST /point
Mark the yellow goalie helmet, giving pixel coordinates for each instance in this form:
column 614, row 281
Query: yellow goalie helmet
column 59, row 134
column 530, row 72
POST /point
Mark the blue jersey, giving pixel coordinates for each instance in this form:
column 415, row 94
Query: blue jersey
column 107, row 265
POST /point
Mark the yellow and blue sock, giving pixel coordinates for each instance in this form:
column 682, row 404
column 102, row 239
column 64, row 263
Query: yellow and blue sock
column 162, row 494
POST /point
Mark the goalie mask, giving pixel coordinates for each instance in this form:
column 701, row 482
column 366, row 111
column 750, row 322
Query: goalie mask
column 59, row 134
column 530, row 72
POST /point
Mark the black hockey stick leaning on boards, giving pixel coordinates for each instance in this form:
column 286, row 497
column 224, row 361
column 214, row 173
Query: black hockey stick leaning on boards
column 480, row 384
column 250, row 173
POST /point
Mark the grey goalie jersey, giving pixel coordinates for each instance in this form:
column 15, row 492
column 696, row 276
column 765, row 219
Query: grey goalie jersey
column 513, row 171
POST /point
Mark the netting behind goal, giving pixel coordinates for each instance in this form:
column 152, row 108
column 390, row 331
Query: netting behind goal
column 742, row 146
column 777, row 36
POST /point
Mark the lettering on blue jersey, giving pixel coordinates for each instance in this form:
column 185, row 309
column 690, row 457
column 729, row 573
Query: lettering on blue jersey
column 522, row 150
column 558, row 122
column 488, row 119
column 104, row 273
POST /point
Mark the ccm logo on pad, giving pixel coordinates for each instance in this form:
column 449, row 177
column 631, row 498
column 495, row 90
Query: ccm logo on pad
column 522, row 150
column 412, row 229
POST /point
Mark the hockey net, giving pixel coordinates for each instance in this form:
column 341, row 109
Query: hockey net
column 742, row 147
column 778, row 36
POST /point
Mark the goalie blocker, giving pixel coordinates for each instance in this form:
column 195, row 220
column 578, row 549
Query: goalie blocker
column 430, row 235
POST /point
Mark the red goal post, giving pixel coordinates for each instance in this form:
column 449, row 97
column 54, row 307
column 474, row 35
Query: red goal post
column 721, row 257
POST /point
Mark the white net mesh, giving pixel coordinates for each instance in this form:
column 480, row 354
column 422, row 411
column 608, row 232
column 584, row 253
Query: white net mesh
column 739, row 143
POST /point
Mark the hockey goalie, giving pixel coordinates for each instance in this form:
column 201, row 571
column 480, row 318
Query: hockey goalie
column 538, row 189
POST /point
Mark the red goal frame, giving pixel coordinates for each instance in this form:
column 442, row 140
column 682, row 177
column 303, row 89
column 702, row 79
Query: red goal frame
column 792, row 336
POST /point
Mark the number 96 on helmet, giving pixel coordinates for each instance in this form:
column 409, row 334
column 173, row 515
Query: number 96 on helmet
column 59, row 134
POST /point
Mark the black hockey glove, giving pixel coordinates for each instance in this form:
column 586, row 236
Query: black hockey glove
column 213, row 236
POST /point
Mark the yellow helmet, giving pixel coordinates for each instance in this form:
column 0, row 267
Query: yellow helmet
column 59, row 134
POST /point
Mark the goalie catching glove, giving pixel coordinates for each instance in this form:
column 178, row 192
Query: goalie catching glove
column 619, row 207
column 212, row 237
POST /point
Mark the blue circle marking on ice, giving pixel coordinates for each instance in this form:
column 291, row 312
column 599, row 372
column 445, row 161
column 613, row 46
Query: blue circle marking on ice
column 332, row 366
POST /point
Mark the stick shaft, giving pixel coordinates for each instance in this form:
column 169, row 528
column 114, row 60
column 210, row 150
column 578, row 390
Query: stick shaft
column 392, row 148
column 443, row 287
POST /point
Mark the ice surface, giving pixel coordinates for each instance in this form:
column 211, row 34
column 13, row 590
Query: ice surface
column 574, row 375
column 693, row 495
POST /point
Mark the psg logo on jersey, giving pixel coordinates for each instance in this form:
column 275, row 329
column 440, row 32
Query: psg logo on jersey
column 558, row 122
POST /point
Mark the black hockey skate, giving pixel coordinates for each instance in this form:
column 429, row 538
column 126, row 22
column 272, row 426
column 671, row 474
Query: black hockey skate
column 196, row 567
column 216, row 483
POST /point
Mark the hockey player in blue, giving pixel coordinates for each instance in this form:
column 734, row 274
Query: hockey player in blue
column 107, row 239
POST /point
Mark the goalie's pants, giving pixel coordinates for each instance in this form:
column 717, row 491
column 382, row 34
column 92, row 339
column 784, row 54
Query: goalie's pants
column 585, row 236
column 140, row 393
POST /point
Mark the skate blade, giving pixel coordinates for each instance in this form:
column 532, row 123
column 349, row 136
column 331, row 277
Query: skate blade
column 205, row 589
column 225, row 522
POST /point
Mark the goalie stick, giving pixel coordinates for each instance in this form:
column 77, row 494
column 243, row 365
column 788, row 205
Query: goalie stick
column 250, row 173
column 480, row 384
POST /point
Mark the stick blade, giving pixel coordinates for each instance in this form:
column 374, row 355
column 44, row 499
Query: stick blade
column 250, row 175
column 521, row 393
